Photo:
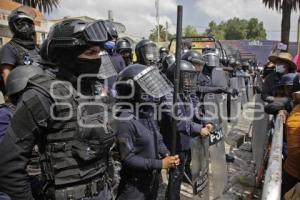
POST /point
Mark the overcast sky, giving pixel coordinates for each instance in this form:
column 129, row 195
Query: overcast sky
column 139, row 16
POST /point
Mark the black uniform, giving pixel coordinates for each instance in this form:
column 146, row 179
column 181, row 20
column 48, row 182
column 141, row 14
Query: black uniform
column 188, row 125
column 15, row 54
column 141, row 147
column 21, row 50
column 269, row 85
column 140, row 144
column 73, row 144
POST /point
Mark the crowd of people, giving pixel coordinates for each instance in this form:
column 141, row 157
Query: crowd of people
column 281, row 92
column 79, row 104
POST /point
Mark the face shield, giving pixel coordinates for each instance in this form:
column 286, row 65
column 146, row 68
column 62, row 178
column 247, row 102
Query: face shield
column 107, row 69
column 153, row 83
column 212, row 60
column 188, row 81
column 150, row 53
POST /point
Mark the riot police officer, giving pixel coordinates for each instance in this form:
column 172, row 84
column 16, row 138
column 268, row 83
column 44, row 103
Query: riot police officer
column 16, row 82
column 110, row 46
column 188, row 126
column 146, row 52
column 163, row 52
column 21, row 50
column 195, row 58
column 112, row 57
column 63, row 120
column 141, row 147
column 168, row 61
column 204, row 79
column 123, row 47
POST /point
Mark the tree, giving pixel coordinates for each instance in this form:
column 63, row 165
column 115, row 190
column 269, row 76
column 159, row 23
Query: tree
column 42, row 5
column 255, row 30
column 190, row 31
column 162, row 34
column 237, row 29
column 286, row 7
column 215, row 30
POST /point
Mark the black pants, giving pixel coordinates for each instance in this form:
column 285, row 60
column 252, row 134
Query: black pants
column 178, row 176
column 138, row 186
column 288, row 182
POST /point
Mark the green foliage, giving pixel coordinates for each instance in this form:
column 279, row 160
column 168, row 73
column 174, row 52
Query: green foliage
column 237, row 29
column 42, row 5
column 255, row 30
column 162, row 34
column 190, row 31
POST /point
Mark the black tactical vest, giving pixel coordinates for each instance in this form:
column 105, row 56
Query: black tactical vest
column 72, row 154
column 25, row 56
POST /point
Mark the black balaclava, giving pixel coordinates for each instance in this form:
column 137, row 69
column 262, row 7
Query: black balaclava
column 71, row 67
column 26, row 34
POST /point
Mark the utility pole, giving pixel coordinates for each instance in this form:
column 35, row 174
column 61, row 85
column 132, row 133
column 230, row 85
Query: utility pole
column 110, row 15
column 167, row 27
column 157, row 18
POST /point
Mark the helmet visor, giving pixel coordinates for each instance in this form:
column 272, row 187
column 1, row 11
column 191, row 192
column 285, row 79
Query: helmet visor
column 95, row 32
column 107, row 68
column 153, row 83
column 188, row 80
column 150, row 53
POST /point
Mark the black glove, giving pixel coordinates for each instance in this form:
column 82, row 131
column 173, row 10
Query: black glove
column 235, row 92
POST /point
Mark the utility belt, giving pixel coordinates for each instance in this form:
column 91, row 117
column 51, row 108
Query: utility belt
column 76, row 192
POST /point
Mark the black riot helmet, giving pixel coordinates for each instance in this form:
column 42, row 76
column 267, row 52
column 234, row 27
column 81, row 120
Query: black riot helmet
column 231, row 61
column 168, row 61
column 18, row 78
column 245, row 65
column 111, row 30
column 146, row 52
column 186, row 45
column 188, row 76
column 136, row 80
column 163, row 52
column 71, row 37
column 122, row 45
column 212, row 59
column 21, row 24
column 195, row 58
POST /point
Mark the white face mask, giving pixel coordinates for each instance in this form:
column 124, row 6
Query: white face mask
column 280, row 68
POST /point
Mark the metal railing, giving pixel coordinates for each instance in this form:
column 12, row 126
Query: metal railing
column 273, row 176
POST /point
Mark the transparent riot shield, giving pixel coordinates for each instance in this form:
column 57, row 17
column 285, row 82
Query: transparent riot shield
column 242, row 90
column 235, row 102
column 220, row 79
column 218, row 166
column 259, row 133
column 200, row 167
column 250, row 88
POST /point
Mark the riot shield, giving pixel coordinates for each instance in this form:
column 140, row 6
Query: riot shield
column 221, row 79
column 259, row 133
column 235, row 102
column 200, row 167
column 242, row 90
column 250, row 88
column 218, row 169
